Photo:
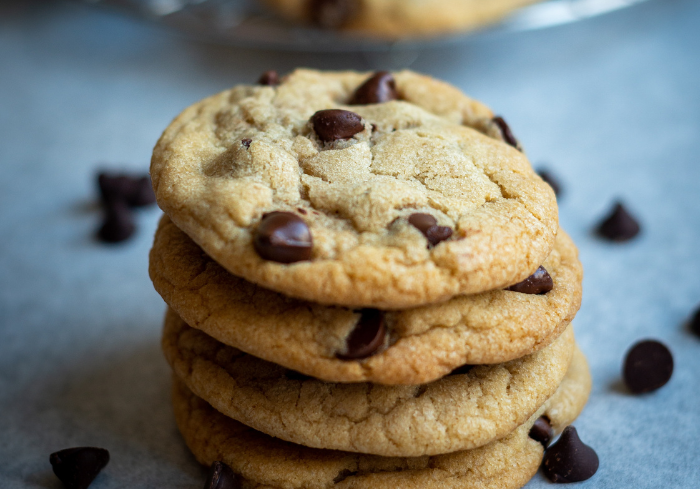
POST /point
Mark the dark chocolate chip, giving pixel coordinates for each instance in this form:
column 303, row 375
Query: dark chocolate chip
column 118, row 224
column 539, row 282
column 222, row 477
column 78, row 467
column 269, row 78
column 464, row 369
column 135, row 191
column 283, row 237
column 695, row 323
column 648, row 366
column 380, row 88
column 569, row 459
column 332, row 14
column 619, row 225
column 542, row 431
column 302, row 211
column 246, row 142
column 367, row 337
column 506, row 133
column 427, row 225
column 551, row 180
column 334, row 124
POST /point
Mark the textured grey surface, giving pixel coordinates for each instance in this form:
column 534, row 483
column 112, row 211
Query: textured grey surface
column 610, row 104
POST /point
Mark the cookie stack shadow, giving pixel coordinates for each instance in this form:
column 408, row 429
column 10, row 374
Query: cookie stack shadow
column 301, row 383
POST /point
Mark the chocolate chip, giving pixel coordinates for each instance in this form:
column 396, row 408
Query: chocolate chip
column 283, row 237
column 648, row 366
column 695, row 323
column 542, row 431
column 334, row 124
column 246, row 142
column 551, row 180
column 78, row 467
column 332, row 14
column 135, row 191
column 269, row 78
column 380, row 88
column 427, row 225
column 367, row 337
column 222, row 477
column 619, row 225
column 569, row 459
column 506, row 133
column 539, row 282
column 464, row 369
column 118, row 224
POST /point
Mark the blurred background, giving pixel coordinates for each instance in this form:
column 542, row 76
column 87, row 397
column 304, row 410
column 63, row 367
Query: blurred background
column 606, row 99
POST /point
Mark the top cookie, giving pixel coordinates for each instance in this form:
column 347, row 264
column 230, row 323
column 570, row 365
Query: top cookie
column 390, row 205
column 395, row 19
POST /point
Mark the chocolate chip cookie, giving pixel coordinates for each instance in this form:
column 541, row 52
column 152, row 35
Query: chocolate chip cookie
column 412, row 196
column 399, row 347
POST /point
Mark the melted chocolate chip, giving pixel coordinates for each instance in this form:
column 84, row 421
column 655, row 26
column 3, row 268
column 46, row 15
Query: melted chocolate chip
column 269, row 78
column 332, row 14
column 551, row 180
column 283, row 237
column 118, row 224
column 222, row 477
column 648, row 366
column 246, row 142
column 367, row 337
column 539, row 282
column 506, row 133
column 619, row 225
column 695, row 323
column 78, row 467
column 569, row 459
column 334, row 124
column 464, row 369
column 380, row 88
column 135, row 191
column 427, row 225
column 542, row 431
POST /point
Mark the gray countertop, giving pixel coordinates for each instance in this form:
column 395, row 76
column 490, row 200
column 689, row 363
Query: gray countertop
column 611, row 105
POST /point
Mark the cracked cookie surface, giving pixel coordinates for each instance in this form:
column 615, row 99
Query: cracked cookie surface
column 423, row 343
column 458, row 412
column 230, row 159
column 264, row 462
column 396, row 19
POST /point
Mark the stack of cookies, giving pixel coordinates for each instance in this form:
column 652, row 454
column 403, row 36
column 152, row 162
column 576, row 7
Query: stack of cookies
column 367, row 287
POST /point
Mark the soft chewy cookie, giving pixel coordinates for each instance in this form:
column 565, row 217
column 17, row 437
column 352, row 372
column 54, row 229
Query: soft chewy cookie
column 392, row 204
column 408, row 347
column 264, row 462
column 458, row 412
column 397, row 18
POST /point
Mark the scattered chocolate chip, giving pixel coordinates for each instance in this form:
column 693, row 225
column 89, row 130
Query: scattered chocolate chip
column 332, row 14
column 542, row 431
column 464, row 369
column 695, row 323
column 367, row 337
column 551, row 180
column 135, row 191
column 334, row 124
column 569, row 459
column 302, row 211
column 294, row 375
column 427, row 225
column 539, row 282
column 283, row 237
column 619, row 225
column 648, row 366
column 374, row 127
column 222, row 477
column 380, row 88
column 118, row 224
column 78, row 467
column 269, row 78
column 506, row 133
column 246, row 142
